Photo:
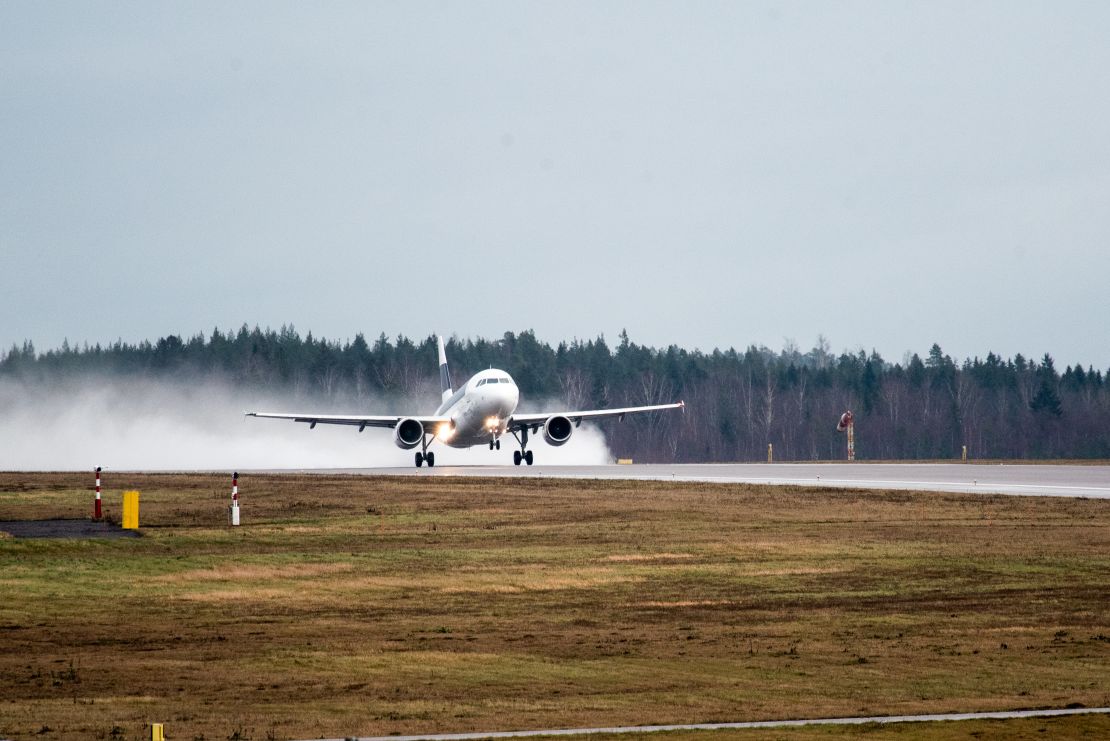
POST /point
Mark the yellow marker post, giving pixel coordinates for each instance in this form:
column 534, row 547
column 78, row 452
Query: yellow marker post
column 157, row 733
column 965, row 454
column 770, row 453
column 131, row 510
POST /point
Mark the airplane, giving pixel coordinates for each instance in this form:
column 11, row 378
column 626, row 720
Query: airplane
column 480, row 412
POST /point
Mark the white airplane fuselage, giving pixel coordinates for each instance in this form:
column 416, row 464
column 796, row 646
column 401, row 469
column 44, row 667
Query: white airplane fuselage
column 479, row 410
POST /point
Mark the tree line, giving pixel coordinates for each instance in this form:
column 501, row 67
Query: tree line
column 737, row 402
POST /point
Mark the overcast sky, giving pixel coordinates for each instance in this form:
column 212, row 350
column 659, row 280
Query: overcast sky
column 706, row 174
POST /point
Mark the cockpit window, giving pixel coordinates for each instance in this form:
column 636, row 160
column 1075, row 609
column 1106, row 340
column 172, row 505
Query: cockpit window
column 484, row 381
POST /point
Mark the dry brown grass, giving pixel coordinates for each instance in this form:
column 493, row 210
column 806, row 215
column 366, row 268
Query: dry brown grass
column 349, row 605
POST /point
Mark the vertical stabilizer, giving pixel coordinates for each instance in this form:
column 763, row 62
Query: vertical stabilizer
column 444, row 374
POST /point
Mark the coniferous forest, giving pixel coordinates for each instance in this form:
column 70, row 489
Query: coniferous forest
column 737, row 402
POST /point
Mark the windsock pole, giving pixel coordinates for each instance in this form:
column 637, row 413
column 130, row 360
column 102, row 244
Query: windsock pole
column 96, row 507
column 847, row 424
column 233, row 511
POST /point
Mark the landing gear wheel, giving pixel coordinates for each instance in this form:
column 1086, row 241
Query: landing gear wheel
column 498, row 444
column 516, row 457
column 527, row 457
column 419, row 460
column 491, row 444
column 431, row 458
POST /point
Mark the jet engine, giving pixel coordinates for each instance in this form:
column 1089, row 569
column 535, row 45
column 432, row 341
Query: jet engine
column 557, row 429
column 408, row 433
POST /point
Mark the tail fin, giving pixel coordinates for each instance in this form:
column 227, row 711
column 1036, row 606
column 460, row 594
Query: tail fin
column 444, row 374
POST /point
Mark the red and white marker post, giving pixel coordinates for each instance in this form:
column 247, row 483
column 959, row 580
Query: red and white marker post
column 848, row 424
column 233, row 510
column 96, row 507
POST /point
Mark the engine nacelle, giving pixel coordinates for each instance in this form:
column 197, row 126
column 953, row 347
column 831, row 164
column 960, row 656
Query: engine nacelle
column 408, row 433
column 557, row 430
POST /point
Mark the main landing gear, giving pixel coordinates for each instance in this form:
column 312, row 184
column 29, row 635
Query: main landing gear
column 523, row 454
column 425, row 455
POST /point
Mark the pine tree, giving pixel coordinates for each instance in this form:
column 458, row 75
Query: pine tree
column 1047, row 401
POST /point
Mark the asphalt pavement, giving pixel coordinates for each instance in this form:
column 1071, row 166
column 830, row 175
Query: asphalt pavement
column 1003, row 715
column 1016, row 479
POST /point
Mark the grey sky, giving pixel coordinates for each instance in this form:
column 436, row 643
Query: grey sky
column 706, row 174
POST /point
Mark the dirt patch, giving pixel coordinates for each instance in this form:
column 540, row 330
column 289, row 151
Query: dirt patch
column 64, row 529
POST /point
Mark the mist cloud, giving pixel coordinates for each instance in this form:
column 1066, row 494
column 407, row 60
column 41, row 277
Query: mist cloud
column 138, row 424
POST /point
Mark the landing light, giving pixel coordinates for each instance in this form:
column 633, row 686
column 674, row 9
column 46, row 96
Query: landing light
column 493, row 422
column 445, row 431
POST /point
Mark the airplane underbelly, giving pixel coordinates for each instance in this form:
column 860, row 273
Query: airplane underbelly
column 457, row 442
column 471, row 425
column 462, row 440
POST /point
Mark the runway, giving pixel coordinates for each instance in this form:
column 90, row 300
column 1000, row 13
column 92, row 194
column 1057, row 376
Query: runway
column 1027, row 480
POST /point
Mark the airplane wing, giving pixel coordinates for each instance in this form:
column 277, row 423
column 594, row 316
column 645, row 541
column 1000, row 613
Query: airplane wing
column 353, row 420
column 520, row 421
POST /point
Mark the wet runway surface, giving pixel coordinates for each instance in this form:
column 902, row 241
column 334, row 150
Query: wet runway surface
column 1031, row 480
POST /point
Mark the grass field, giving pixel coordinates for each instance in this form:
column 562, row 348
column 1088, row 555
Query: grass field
column 355, row 606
